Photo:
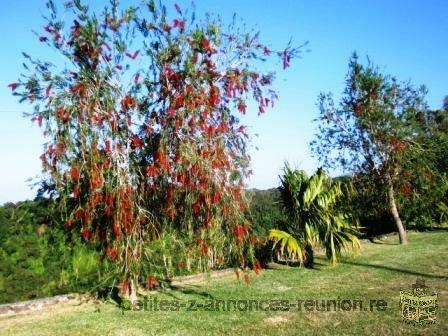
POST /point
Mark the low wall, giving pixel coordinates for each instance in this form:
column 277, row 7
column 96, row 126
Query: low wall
column 39, row 304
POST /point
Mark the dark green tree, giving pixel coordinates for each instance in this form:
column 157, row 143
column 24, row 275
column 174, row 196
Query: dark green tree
column 372, row 131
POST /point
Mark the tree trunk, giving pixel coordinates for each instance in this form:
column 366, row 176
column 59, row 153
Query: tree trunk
column 133, row 292
column 393, row 209
column 309, row 256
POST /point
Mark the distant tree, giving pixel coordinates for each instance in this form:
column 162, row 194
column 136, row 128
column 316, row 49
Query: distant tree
column 429, row 182
column 445, row 103
column 265, row 210
column 372, row 132
column 312, row 218
column 35, row 258
column 144, row 141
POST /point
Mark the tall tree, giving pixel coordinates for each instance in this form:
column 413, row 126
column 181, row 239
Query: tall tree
column 144, row 141
column 371, row 131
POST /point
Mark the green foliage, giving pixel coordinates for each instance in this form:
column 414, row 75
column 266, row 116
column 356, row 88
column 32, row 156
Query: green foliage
column 384, row 136
column 143, row 134
column 426, row 193
column 36, row 260
column 265, row 210
column 313, row 219
column 289, row 246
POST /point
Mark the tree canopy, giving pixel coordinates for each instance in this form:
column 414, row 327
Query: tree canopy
column 144, row 141
column 373, row 131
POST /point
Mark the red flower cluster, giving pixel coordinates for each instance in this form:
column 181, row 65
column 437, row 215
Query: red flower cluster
column 239, row 232
column 127, row 103
column 151, row 282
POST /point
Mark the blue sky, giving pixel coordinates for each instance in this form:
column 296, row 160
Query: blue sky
column 405, row 38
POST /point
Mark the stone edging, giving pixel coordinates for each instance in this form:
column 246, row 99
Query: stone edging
column 39, row 304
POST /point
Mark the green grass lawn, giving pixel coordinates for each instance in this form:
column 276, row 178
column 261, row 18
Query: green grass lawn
column 378, row 273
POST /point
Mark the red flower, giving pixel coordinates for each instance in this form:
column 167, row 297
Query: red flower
column 204, row 248
column 61, row 115
column 79, row 214
column 69, row 224
column 214, row 96
column 127, row 102
column 242, row 129
column 112, row 253
column 86, row 233
column 79, row 89
column 74, row 173
column 76, row 192
column 210, row 130
column 257, row 267
column 133, row 55
column 358, row 110
column 151, row 282
column 252, row 240
column 179, row 24
column 239, row 231
column 266, row 51
column 216, row 197
column 117, row 230
column 87, row 220
column 286, row 58
column 109, row 199
column 242, row 107
column 223, row 127
column 172, row 213
column 152, row 171
column 406, row 189
column 107, row 146
column 166, row 28
column 108, row 58
column 205, row 45
column 162, row 160
column 124, row 287
column 13, row 86
column 197, row 206
column 136, row 142
column 39, row 119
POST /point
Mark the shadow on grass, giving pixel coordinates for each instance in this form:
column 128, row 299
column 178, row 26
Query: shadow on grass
column 187, row 291
column 433, row 229
column 435, row 276
column 380, row 242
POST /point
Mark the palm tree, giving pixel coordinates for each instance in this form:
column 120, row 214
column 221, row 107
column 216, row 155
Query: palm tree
column 313, row 219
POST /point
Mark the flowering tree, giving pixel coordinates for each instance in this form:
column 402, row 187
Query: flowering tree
column 145, row 150
column 373, row 132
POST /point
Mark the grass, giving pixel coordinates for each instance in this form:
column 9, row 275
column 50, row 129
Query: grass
column 378, row 273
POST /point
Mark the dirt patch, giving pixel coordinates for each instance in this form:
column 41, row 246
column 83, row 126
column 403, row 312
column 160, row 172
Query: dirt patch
column 275, row 320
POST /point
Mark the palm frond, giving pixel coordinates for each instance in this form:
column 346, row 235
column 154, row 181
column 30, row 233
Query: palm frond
column 288, row 244
column 310, row 203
